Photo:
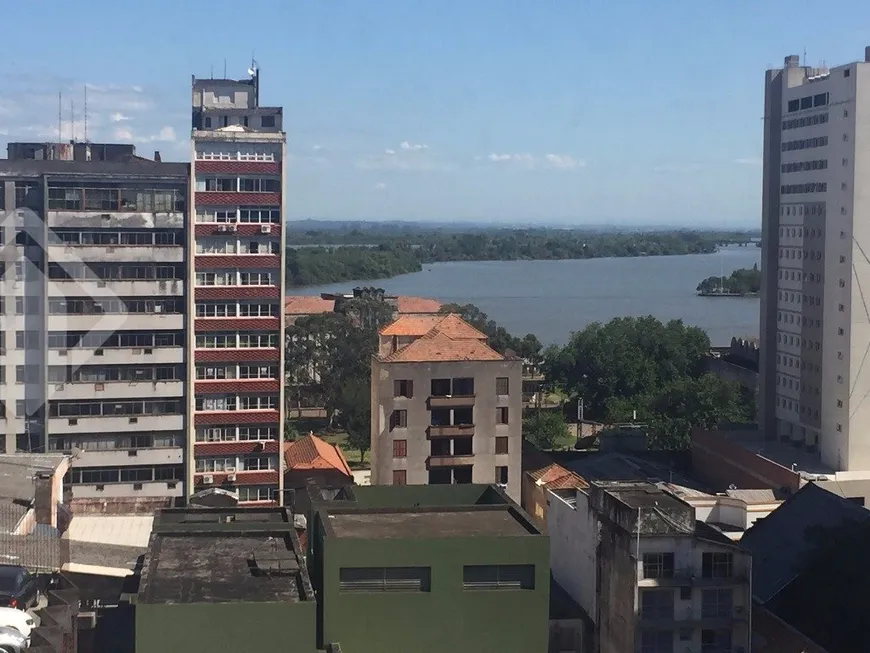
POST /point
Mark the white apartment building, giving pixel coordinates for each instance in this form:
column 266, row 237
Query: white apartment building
column 92, row 314
column 815, row 309
column 647, row 573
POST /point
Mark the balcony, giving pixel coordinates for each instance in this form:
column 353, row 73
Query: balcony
column 117, row 288
column 689, row 577
column 450, row 431
column 116, row 253
column 691, row 616
column 108, row 390
column 450, row 461
column 450, row 401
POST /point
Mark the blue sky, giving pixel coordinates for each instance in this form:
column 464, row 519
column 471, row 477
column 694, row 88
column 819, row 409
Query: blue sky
column 569, row 111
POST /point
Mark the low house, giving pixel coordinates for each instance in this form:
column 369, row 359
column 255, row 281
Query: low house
column 312, row 459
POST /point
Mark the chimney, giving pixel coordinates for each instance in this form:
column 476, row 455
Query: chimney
column 867, row 54
column 44, row 503
column 157, row 156
column 792, row 61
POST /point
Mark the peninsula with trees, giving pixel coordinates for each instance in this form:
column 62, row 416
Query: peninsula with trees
column 745, row 282
column 322, row 256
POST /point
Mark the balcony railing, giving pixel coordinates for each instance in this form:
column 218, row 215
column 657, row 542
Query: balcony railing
column 689, row 576
column 451, row 460
column 450, row 431
column 450, row 401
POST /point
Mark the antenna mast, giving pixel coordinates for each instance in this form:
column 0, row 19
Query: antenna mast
column 72, row 121
column 59, row 120
column 86, row 113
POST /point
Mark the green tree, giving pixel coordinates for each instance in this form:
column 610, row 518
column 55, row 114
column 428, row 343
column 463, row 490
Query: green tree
column 544, row 428
column 640, row 368
column 355, row 415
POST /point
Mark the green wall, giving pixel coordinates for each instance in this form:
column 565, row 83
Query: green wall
column 211, row 627
column 447, row 619
column 408, row 496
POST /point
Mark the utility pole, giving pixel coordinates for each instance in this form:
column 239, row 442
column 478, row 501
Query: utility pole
column 580, row 409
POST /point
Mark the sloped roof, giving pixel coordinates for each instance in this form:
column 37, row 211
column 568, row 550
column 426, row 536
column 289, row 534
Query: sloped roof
column 405, row 304
column 311, row 452
column 554, row 476
column 439, row 347
column 307, row 305
column 450, row 325
column 778, row 542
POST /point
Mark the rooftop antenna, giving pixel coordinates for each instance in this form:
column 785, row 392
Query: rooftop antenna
column 211, row 71
column 59, row 118
column 86, row 113
column 805, row 58
column 72, row 121
column 225, row 67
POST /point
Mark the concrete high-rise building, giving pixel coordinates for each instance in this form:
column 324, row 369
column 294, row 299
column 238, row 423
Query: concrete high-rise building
column 815, row 315
column 92, row 294
column 446, row 407
column 237, row 267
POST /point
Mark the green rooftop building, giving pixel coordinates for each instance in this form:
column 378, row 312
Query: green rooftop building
column 428, row 569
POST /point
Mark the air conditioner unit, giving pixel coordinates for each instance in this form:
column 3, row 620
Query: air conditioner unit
column 230, row 470
column 58, row 386
column 231, row 227
column 231, row 478
column 265, row 228
column 208, row 479
column 222, row 228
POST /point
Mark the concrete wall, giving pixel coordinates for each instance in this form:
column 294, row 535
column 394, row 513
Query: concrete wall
column 574, row 531
column 447, row 618
column 485, row 402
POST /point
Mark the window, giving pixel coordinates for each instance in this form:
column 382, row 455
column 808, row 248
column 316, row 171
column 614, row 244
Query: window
column 492, row 577
column 716, row 565
column 403, row 389
column 501, row 415
column 658, row 565
column 501, row 475
column 384, row 579
column 254, row 493
column 399, row 419
column 715, row 641
column 400, row 448
column 501, row 445
column 685, row 594
column 657, row 604
column 400, row 477
column 717, row 603
column 255, row 278
column 267, row 121
column 502, row 386
column 656, row 641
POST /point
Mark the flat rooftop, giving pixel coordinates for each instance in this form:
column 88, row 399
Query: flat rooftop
column 224, row 556
column 643, row 495
column 782, row 453
column 408, row 524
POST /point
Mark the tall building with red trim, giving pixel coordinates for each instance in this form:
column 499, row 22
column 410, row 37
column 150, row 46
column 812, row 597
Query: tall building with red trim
column 235, row 411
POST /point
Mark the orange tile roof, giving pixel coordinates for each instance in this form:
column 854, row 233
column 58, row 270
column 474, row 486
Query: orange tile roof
column 555, row 476
column 411, row 325
column 307, row 305
column 417, row 305
column 311, row 452
column 440, row 347
column 450, row 325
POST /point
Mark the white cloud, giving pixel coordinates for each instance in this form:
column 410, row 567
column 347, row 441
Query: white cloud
column 380, row 186
column 390, row 152
column 557, row 161
column 317, row 148
column 748, row 161
column 122, row 134
column 415, row 147
column 563, row 161
column 118, row 117
column 164, row 135
column 4, row 132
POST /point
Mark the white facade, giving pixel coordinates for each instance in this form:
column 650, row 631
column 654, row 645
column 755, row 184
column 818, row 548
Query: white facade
column 815, row 324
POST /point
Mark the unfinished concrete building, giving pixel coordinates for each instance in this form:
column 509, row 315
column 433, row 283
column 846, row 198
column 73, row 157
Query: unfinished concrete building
column 92, row 298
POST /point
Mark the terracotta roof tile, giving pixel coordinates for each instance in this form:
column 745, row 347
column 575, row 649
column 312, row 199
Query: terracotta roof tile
column 417, row 305
column 439, row 347
column 456, row 328
column 310, row 452
column 555, row 476
column 411, row 325
column 307, row 305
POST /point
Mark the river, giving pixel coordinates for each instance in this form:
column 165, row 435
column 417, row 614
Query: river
column 553, row 298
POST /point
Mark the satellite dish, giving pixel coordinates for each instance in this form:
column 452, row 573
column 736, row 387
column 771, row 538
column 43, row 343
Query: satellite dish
column 252, row 71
